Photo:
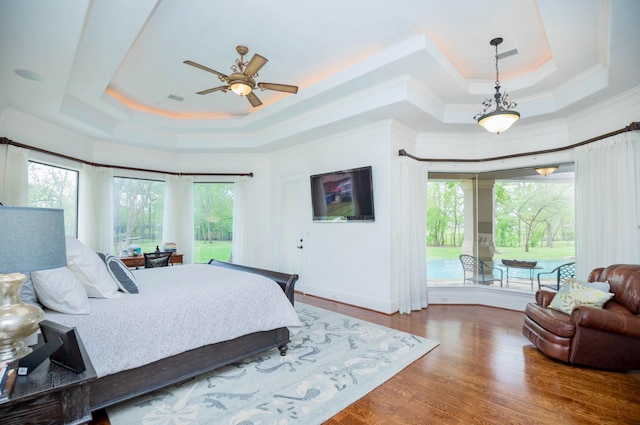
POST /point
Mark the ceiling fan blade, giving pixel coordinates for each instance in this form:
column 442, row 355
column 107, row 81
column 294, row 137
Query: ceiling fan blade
column 278, row 87
column 253, row 99
column 204, row 68
column 254, row 65
column 224, row 88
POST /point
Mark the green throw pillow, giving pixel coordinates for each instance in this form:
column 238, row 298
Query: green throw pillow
column 573, row 294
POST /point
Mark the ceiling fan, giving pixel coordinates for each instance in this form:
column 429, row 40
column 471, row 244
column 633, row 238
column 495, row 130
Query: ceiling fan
column 242, row 80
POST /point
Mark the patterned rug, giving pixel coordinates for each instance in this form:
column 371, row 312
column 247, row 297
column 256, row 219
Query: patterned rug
column 331, row 363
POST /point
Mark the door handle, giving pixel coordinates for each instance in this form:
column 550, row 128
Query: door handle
column 300, row 246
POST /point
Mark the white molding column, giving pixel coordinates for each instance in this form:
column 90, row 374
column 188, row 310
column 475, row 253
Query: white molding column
column 479, row 218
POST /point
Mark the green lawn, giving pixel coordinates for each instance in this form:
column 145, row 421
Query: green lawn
column 220, row 250
column 561, row 250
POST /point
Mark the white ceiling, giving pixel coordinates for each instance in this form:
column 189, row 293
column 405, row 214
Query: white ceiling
column 108, row 67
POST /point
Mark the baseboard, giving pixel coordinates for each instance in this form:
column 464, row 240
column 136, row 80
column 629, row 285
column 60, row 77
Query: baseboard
column 359, row 300
column 480, row 295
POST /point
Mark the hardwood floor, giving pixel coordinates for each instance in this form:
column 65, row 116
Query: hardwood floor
column 485, row 372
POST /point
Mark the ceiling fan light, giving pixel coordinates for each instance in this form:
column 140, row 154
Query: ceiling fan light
column 545, row 171
column 241, row 88
column 498, row 121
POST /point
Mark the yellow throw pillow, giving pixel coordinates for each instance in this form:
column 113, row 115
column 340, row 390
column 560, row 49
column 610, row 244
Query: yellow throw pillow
column 573, row 294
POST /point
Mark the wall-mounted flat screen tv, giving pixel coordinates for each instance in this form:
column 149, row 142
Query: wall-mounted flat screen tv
column 345, row 195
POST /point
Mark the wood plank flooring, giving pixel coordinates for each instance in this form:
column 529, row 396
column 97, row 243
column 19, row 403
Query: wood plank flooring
column 483, row 372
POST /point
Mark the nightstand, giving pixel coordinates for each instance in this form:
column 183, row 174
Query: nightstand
column 50, row 394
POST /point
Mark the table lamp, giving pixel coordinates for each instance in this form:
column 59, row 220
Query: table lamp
column 31, row 239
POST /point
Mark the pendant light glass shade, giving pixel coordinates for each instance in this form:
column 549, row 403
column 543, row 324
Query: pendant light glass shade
column 545, row 171
column 498, row 121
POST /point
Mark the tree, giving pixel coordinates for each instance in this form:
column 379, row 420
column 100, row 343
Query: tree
column 540, row 207
column 54, row 187
column 213, row 211
column 444, row 212
column 138, row 206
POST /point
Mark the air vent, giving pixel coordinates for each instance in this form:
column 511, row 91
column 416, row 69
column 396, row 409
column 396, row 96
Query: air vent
column 176, row 97
column 507, row 54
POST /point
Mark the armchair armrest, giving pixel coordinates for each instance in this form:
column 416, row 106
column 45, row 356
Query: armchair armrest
column 605, row 320
column 543, row 298
column 594, row 276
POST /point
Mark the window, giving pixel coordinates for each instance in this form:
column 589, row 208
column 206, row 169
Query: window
column 213, row 221
column 55, row 187
column 495, row 216
column 137, row 207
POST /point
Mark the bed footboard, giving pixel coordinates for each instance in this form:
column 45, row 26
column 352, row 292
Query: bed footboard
column 112, row 389
column 286, row 281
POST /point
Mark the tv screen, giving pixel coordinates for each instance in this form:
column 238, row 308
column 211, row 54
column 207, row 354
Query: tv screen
column 345, row 195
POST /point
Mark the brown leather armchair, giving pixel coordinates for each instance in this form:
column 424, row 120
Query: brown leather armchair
column 607, row 338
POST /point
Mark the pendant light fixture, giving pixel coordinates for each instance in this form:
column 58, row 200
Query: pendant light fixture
column 503, row 116
column 545, row 171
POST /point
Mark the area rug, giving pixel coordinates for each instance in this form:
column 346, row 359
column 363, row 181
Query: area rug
column 331, row 363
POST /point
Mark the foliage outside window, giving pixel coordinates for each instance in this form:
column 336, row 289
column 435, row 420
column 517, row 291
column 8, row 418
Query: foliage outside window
column 530, row 214
column 138, row 208
column 213, row 221
column 55, row 187
column 445, row 214
column 533, row 221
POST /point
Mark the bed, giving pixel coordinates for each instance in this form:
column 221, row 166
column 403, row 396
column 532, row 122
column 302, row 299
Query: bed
column 142, row 342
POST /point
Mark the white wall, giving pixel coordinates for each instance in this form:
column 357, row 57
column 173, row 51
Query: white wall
column 347, row 261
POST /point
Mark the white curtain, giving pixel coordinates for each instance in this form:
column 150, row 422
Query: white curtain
column 240, row 222
column 16, row 177
column 95, row 208
column 608, row 203
column 177, row 217
column 411, row 255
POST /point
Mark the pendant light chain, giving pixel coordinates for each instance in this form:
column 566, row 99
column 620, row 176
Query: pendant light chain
column 497, row 72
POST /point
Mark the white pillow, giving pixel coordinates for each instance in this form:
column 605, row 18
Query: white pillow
column 60, row 290
column 90, row 270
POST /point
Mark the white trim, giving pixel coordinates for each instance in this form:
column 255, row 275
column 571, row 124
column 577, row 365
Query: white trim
column 510, row 299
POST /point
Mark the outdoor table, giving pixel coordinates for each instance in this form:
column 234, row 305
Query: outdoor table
column 523, row 267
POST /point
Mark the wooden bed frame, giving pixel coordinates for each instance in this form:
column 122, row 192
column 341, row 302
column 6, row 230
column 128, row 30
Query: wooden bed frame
column 112, row 389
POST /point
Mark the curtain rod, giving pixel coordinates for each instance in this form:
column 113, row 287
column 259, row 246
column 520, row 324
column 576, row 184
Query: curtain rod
column 5, row 141
column 634, row 126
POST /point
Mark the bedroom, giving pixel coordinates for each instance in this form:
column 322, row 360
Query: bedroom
column 364, row 103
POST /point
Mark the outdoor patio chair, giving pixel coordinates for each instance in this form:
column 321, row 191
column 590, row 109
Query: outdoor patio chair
column 477, row 271
column 560, row 273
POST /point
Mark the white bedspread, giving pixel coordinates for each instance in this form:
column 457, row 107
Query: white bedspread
column 178, row 309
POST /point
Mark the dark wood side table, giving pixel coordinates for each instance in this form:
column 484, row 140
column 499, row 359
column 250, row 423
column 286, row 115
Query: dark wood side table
column 50, row 394
column 138, row 261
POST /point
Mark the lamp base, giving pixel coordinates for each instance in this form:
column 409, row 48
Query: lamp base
column 17, row 319
column 14, row 351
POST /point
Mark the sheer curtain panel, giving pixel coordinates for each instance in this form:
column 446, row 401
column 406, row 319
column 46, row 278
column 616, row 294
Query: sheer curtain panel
column 16, row 177
column 95, row 208
column 238, row 255
column 177, row 217
column 411, row 256
column 608, row 202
